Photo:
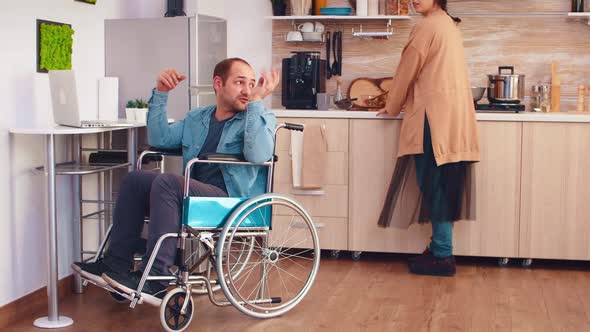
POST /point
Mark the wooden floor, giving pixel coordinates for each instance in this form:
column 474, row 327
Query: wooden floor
column 378, row 294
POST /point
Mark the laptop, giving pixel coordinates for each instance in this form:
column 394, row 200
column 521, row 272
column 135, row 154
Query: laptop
column 64, row 98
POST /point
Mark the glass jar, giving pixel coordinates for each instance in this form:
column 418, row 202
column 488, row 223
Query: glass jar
column 392, row 7
column 538, row 91
column 545, row 101
column 536, row 97
column 404, row 7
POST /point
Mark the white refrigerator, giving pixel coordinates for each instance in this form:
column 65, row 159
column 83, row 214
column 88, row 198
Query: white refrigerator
column 136, row 50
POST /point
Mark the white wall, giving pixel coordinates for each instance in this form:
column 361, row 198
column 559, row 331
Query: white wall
column 249, row 34
column 25, row 99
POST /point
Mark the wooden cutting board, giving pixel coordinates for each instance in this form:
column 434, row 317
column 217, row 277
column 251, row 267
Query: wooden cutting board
column 365, row 86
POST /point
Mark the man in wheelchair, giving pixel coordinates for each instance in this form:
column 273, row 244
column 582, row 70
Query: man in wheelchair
column 238, row 124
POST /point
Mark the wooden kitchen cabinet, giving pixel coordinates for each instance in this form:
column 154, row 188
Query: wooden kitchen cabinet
column 373, row 149
column 555, row 222
column 495, row 232
column 328, row 208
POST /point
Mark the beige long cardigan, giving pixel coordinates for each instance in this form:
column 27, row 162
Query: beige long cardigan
column 432, row 79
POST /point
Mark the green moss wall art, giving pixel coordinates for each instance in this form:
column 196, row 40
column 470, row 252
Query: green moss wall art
column 54, row 46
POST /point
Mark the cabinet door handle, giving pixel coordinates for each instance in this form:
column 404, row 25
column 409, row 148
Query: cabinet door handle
column 307, row 192
column 301, row 224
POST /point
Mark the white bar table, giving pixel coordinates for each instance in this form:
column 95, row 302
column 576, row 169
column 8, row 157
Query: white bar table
column 53, row 319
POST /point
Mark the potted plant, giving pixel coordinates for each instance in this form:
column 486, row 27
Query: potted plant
column 279, row 7
column 136, row 110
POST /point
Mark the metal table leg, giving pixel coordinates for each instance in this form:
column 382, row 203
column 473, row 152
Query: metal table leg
column 132, row 148
column 77, row 204
column 53, row 320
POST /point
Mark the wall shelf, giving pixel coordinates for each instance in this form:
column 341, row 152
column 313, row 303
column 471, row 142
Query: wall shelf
column 339, row 17
column 585, row 14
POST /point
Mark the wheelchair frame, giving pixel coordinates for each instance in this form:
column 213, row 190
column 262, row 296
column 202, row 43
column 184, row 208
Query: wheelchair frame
column 183, row 277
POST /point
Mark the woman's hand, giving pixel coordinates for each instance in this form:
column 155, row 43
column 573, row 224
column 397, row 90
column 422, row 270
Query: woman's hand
column 382, row 111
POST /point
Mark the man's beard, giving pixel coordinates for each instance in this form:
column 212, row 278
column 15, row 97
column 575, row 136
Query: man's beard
column 238, row 106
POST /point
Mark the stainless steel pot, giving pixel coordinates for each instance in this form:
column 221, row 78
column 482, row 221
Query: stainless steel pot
column 505, row 88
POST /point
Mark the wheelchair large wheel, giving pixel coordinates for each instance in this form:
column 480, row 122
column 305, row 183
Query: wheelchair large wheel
column 284, row 261
column 171, row 316
column 240, row 255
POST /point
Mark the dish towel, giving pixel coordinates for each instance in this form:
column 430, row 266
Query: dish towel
column 308, row 157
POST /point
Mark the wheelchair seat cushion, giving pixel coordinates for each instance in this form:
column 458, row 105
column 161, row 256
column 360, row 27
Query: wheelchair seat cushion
column 213, row 213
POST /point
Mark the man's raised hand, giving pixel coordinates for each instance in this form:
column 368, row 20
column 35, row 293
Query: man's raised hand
column 168, row 79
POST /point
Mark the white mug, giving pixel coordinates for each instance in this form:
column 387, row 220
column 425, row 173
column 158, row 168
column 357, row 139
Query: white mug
column 319, row 27
column 294, row 36
column 305, row 27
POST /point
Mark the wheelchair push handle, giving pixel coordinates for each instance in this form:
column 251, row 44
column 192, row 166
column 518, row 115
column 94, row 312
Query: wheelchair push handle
column 294, row 126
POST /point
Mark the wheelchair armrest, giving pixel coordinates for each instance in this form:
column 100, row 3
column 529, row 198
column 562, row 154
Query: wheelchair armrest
column 150, row 154
column 166, row 152
column 222, row 157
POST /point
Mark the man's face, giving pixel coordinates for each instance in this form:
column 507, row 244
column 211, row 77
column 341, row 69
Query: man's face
column 235, row 92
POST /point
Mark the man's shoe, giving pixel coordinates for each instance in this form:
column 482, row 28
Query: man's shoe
column 434, row 266
column 92, row 271
column 153, row 291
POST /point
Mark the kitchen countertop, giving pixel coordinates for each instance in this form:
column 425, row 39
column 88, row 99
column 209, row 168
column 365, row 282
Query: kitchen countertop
column 518, row 117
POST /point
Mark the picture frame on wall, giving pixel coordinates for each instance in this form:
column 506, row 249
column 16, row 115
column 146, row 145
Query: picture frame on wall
column 54, row 46
column 91, row 2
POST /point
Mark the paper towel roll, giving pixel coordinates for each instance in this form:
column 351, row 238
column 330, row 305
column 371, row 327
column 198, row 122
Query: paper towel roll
column 362, row 8
column 373, row 7
column 108, row 98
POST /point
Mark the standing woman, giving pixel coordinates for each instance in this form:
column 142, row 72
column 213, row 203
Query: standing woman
column 439, row 139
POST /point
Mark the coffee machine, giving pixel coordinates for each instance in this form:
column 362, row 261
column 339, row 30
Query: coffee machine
column 304, row 76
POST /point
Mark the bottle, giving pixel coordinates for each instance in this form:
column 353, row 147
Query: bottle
column 338, row 94
column 577, row 6
column 318, row 5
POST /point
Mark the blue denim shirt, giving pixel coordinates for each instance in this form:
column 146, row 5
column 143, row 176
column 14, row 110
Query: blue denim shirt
column 250, row 133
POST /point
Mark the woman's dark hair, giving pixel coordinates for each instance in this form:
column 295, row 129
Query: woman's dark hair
column 443, row 5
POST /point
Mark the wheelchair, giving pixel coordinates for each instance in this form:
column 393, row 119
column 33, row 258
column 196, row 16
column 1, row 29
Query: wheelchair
column 262, row 252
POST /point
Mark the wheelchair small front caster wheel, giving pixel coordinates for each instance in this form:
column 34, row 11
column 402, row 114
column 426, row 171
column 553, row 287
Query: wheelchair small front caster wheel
column 527, row 262
column 503, row 261
column 171, row 316
column 356, row 255
column 335, row 254
column 118, row 298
